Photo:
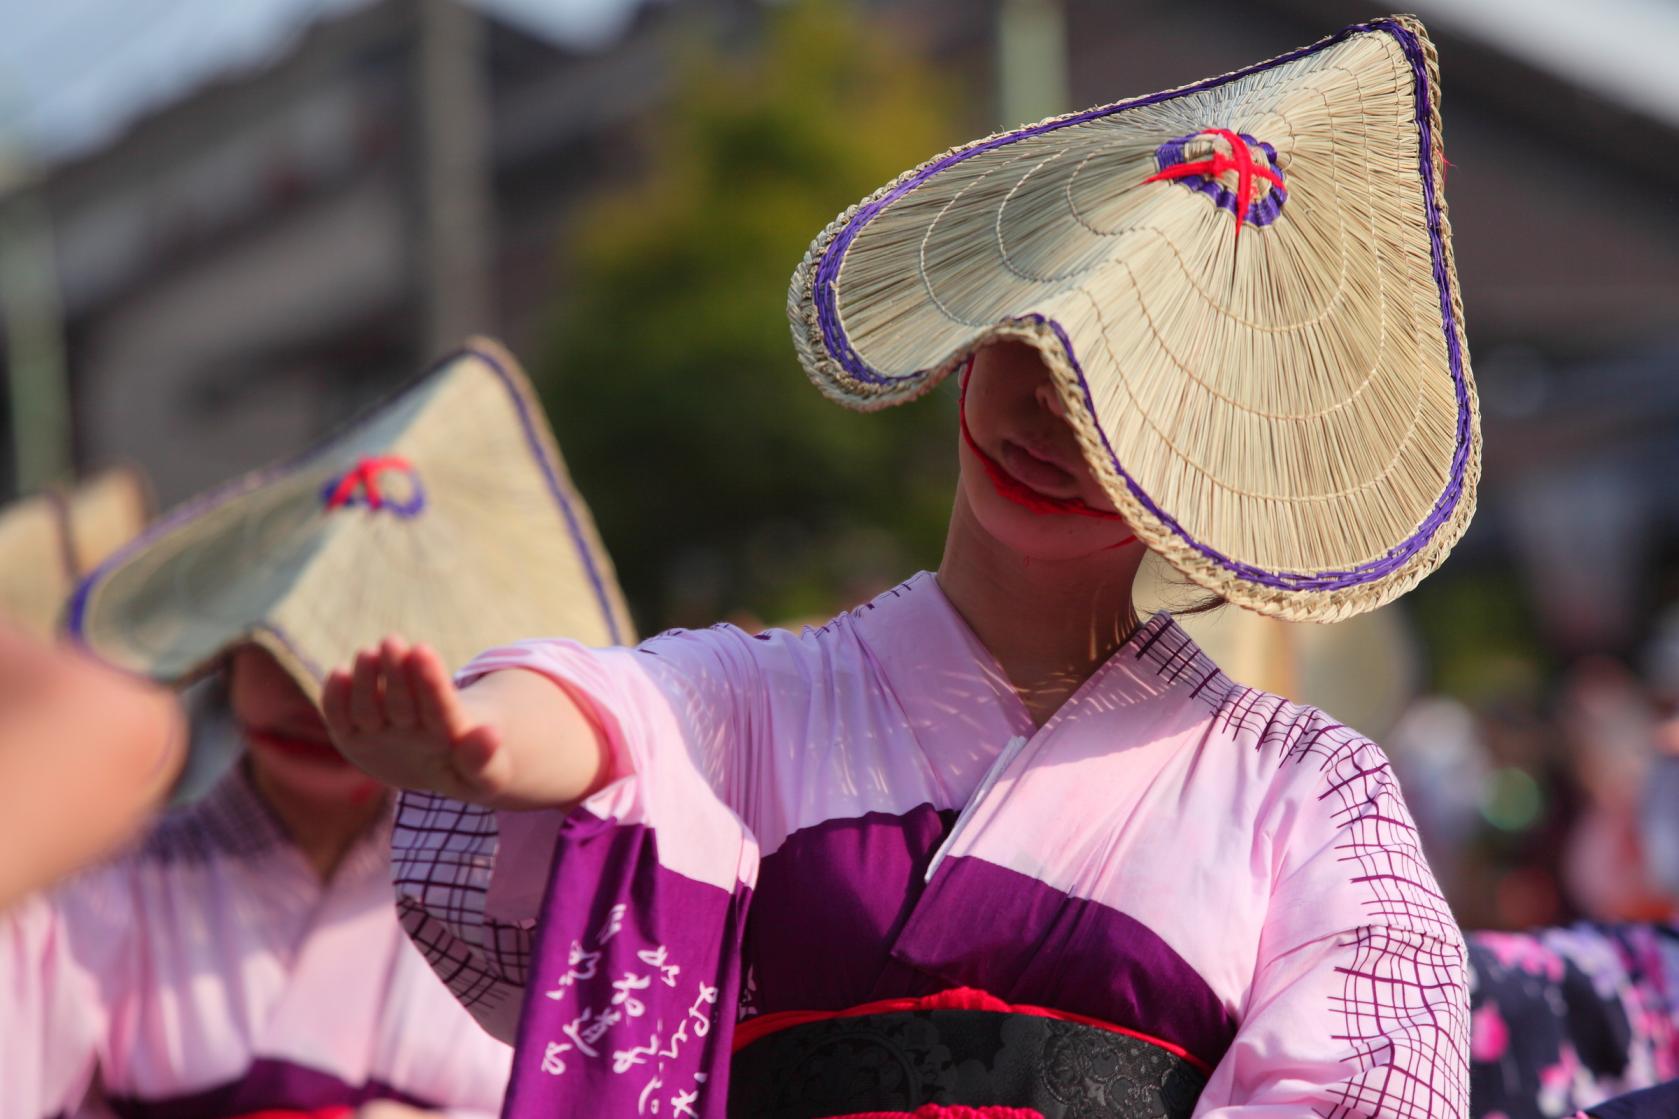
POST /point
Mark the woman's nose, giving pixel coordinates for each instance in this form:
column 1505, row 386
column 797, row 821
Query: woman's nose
column 1050, row 400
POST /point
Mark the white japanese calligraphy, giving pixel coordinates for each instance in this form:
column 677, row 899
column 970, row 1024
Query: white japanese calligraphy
column 657, row 957
column 588, row 1028
column 614, row 924
column 648, row 1104
column 623, row 1060
column 676, row 1040
column 580, row 964
column 553, row 1063
column 702, row 1019
column 623, row 997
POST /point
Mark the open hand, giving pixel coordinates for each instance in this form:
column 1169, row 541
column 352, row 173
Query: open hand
column 397, row 715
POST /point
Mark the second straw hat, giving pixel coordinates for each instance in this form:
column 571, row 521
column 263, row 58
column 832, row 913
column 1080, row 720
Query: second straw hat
column 1244, row 292
column 446, row 515
column 50, row 540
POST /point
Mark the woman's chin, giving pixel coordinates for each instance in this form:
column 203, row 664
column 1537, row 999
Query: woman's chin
column 1043, row 536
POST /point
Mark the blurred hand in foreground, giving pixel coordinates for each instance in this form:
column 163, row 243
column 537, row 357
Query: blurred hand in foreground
column 86, row 754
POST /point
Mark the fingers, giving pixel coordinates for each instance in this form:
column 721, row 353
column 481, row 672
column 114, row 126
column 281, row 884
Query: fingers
column 335, row 703
column 399, row 705
column 433, row 691
column 366, row 707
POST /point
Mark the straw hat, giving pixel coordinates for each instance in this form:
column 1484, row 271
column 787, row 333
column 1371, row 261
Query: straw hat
column 50, row 540
column 446, row 515
column 1244, row 291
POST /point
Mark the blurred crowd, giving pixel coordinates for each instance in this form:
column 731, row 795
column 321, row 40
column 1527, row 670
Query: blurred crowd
column 1543, row 805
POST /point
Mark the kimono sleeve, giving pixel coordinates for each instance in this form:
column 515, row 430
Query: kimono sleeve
column 62, row 955
column 603, row 942
column 1359, row 1004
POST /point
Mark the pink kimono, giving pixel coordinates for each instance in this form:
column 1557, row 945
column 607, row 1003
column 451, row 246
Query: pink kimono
column 208, row 972
column 864, row 815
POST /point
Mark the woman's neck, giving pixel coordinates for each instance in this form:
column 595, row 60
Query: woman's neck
column 323, row 829
column 1048, row 623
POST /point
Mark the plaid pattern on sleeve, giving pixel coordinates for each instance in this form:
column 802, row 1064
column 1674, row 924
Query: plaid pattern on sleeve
column 1360, row 1003
column 443, row 852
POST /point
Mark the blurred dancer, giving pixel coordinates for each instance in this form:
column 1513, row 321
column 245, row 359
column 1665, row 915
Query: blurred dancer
column 245, row 956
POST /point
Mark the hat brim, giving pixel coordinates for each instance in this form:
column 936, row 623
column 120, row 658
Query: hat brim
column 1385, row 562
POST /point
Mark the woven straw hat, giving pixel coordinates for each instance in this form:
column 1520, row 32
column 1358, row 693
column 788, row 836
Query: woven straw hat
column 50, row 540
column 1244, row 292
column 446, row 515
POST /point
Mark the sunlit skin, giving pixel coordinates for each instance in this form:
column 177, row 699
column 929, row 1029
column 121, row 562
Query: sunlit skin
column 324, row 802
column 1048, row 594
column 1015, row 415
column 86, row 755
column 1077, row 572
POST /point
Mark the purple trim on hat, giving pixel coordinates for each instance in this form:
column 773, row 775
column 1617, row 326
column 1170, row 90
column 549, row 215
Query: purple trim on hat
column 550, row 474
column 76, row 611
column 1261, row 211
column 840, row 349
column 1041, row 946
column 269, row 1084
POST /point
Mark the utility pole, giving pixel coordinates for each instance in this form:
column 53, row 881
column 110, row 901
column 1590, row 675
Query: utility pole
column 1031, row 61
column 31, row 313
column 456, row 221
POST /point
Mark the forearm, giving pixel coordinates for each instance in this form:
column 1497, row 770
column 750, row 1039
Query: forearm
column 508, row 739
column 551, row 752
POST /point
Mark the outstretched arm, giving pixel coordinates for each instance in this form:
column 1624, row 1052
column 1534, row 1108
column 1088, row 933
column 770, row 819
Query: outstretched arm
column 510, row 739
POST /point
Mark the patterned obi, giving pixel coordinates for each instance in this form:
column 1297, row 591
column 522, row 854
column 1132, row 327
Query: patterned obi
column 958, row 1053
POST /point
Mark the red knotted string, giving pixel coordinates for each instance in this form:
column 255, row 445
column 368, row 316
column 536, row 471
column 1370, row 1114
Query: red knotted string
column 365, row 474
column 1239, row 160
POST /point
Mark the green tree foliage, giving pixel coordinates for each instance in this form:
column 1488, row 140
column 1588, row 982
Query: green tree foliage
column 722, row 480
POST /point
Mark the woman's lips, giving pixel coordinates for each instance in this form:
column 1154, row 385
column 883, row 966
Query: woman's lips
column 307, row 748
column 1038, row 473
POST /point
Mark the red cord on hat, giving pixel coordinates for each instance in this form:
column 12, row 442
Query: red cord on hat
column 1240, row 160
column 365, row 474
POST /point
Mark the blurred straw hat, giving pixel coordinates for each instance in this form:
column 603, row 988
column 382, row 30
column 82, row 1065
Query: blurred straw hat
column 50, row 540
column 1245, row 293
column 1365, row 671
column 446, row 515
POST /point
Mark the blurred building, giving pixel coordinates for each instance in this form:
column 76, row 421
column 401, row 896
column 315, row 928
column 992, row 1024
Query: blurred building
column 242, row 265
